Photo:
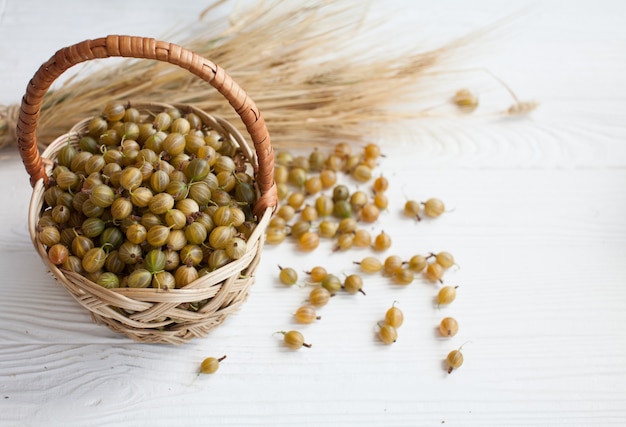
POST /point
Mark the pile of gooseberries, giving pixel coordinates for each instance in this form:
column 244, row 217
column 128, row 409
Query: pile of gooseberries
column 148, row 200
column 315, row 204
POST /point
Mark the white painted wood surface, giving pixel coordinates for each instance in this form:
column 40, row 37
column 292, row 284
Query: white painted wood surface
column 538, row 229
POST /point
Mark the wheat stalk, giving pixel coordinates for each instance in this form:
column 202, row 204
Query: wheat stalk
column 278, row 52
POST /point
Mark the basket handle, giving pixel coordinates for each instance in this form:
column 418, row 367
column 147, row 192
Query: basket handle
column 144, row 48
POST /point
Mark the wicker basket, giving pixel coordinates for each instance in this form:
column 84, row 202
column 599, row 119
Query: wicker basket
column 152, row 315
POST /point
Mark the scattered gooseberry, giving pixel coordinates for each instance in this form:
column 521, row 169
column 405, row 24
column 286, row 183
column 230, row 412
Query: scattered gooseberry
column 210, row 365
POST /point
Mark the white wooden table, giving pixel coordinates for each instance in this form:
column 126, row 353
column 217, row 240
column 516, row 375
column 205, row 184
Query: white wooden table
column 538, row 228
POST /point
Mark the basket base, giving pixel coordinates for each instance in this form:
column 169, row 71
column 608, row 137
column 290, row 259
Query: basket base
column 165, row 336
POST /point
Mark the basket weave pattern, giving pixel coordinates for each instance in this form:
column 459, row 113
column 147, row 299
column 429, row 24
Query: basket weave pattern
column 147, row 314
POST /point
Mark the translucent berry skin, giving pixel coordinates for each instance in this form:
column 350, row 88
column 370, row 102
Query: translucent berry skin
column 236, row 248
column 319, row 297
column 306, row 314
column 433, row 272
column 392, row 264
column 388, row 334
column 317, row 274
column 446, row 295
column 394, row 317
column 448, row 327
column 294, row 340
column 210, row 365
column 433, row 208
column 353, row 284
column 370, row 265
column 382, row 242
column 403, row 276
column 332, row 283
column 93, row 260
column 381, row 184
column 288, row 276
column 49, row 235
column 445, row 259
column 412, row 209
column 58, row 254
column 275, row 236
column 308, row 241
column 362, row 173
column 417, row 263
column 454, row 360
column 371, row 151
column 362, row 239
